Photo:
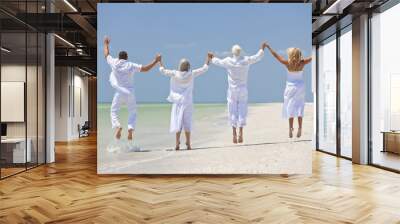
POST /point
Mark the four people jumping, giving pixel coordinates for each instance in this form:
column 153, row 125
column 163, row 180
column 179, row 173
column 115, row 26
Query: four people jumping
column 181, row 89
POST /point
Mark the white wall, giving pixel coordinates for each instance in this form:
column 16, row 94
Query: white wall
column 61, row 103
column 79, row 117
column 12, row 73
column 33, row 127
column 70, row 83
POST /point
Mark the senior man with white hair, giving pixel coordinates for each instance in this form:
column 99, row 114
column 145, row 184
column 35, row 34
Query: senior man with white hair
column 237, row 68
column 121, row 79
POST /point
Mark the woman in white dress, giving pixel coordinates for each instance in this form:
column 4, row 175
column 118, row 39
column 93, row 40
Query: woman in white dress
column 294, row 95
column 181, row 97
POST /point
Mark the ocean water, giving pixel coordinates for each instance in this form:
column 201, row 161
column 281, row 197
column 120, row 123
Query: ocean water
column 152, row 123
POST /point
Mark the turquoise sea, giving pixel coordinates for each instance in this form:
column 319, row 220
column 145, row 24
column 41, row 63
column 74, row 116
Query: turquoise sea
column 152, row 123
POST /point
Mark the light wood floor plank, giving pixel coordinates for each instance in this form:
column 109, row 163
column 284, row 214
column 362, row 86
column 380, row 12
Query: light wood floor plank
column 70, row 191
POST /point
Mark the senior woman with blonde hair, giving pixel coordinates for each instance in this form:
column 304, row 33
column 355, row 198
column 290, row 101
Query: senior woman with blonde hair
column 181, row 97
column 294, row 95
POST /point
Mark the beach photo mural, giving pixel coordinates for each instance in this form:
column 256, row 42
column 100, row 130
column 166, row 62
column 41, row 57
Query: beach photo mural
column 204, row 88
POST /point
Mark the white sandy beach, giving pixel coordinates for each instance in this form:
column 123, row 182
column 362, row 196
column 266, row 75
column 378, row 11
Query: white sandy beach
column 266, row 149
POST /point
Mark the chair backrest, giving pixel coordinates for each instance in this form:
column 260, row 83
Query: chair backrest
column 86, row 125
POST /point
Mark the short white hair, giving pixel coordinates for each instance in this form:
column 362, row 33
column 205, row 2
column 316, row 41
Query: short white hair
column 236, row 49
column 184, row 65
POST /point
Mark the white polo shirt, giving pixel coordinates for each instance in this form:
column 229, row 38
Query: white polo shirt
column 238, row 68
column 122, row 72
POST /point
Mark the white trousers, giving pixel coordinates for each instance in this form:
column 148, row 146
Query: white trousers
column 181, row 117
column 237, row 106
column 119, row 99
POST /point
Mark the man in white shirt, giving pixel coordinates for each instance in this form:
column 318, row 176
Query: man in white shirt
column 237, row 68
column 121, row 79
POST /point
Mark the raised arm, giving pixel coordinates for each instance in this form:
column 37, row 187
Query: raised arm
column 307, row 60
column 204, row 68
column 200, row 71
column 165, row 71
column 110, row 60
column 277, row 56
column 106, row 49
column 218, row 62
column 149, row 66
column 257, row 57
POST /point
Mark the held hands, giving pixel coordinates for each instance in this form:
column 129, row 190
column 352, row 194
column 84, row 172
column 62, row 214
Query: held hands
column 264, row 45
column 158, row 58
column 210, row 55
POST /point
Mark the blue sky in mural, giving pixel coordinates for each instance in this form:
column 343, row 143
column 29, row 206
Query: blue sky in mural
column 189, row 31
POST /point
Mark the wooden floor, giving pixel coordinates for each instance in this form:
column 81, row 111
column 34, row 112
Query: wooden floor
column 69, row 191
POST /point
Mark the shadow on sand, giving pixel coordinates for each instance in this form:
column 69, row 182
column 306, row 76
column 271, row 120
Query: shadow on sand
column 127, row 149
column 241, row 145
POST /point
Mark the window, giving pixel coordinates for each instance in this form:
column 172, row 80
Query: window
column 23, row 89
column 327, row 95
column 346, row 92
column 385, row 89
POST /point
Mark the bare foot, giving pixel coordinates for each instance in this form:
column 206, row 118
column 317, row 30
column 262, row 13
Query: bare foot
column 130, row 134
column 240, row 139
column 291, row 132
column 235, row 139
column 299, row 133
column 118, row 133
column 188, row 147
column 177, row 147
